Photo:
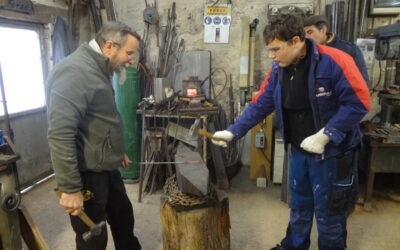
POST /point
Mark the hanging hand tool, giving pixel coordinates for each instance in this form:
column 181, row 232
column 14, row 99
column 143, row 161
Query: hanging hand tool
column 150, row 16
column 194, row 126
column 252, row 43
column 207, row 134
column 244, row 60
column 94, row 229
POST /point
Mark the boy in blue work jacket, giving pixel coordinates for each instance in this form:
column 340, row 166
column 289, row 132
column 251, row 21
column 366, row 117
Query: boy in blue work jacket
column 319, row 97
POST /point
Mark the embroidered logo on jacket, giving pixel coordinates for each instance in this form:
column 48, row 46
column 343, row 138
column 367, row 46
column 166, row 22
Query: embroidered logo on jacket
column 322, row 92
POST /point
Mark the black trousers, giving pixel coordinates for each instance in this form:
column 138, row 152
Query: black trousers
column 106, row 199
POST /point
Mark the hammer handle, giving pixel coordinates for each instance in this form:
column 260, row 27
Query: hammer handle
column 82, row 215
column 203, row 132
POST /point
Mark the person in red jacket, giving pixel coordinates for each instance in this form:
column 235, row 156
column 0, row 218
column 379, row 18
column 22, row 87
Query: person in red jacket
column 319, row 96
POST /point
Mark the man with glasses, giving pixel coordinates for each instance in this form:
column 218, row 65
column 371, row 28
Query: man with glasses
column 86, row 136
column 319, row 97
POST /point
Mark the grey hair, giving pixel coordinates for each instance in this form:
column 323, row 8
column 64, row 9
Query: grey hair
column 116, row 32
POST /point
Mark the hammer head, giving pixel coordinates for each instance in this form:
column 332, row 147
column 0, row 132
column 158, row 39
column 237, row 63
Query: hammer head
column 94, row 231
column 194, row 127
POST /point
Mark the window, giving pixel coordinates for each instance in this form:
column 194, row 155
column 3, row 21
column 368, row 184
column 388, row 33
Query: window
column 385, row 7
column 22, row 67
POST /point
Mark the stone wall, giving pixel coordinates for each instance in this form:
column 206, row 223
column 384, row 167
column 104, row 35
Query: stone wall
column 190, row 21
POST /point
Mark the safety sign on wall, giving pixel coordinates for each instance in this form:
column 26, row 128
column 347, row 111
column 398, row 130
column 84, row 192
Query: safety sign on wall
column 217, row 20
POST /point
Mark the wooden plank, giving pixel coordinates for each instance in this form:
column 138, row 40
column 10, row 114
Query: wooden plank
column 219, row 162
column 191, row 178
column 30, row 232
column 260, row 159
column 279, row 157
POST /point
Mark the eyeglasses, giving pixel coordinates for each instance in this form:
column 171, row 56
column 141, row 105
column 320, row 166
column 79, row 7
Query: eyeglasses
column 275, row 50
column 128, row 53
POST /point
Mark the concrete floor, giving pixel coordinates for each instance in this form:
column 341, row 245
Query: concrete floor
column 258, row 219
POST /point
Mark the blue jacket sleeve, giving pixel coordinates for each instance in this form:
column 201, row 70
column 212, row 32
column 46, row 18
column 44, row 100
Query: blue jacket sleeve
column 353, row 99
column 360, row 62
column 257, row 111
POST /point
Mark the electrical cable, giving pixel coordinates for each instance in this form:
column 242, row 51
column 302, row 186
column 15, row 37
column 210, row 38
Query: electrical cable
column 265, row 156
column 380, row 75
column 226, row 81
column 144, row 69
column 380, row 66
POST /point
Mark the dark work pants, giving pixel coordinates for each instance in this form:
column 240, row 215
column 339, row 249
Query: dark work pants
column 322, row 188
column 108, row 201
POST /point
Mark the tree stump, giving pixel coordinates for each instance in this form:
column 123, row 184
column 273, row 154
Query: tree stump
column 199, row 227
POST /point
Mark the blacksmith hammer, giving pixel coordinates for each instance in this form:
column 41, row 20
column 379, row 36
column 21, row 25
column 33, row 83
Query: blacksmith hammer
column 207, row 134
column 94, row 229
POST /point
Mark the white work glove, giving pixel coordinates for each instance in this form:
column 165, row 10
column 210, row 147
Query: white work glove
column 225, row 135
column 316, row 142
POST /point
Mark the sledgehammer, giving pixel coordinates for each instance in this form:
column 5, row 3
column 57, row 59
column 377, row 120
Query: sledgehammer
column 94, row 229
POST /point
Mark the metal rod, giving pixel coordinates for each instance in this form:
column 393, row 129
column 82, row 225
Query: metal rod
column 231, row 101
column 7, row 129
column 363, row 18
column 349, row 20
column 356, row 20
column 6, row 117
column 169, row 162
column 142, row 155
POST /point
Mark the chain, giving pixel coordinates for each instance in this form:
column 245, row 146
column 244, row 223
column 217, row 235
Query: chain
column 176, row 197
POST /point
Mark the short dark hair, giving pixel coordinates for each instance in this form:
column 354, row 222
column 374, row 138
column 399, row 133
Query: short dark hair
column 318, row 21
column 116, row 32
column 284, row 27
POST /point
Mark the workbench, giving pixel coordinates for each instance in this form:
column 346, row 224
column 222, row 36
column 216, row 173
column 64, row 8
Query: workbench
column 383, row 158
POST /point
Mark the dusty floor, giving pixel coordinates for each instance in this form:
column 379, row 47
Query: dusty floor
column 258, row 219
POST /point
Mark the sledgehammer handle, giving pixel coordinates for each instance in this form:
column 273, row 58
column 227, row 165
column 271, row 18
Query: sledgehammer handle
column 203, row 132
column 82, row 215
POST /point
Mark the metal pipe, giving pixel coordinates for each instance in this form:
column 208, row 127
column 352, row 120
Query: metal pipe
column 355, row 20
column 252, row 42
column 231, row 101
column 334, row 13
column 362, row 18
column 349, row 20
column 340, row 18
column 6, row 124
